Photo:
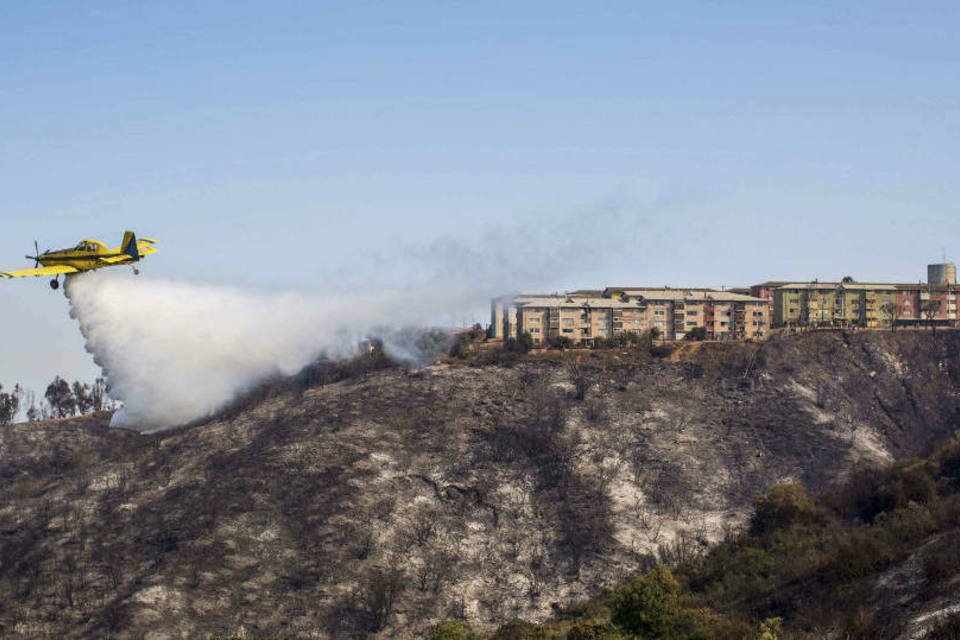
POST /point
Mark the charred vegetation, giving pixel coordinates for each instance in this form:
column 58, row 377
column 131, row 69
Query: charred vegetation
column 365, row 498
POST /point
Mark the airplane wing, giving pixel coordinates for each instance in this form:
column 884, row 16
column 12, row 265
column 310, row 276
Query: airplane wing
column 42, row 271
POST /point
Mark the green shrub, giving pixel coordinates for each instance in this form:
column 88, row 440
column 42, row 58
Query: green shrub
column 949, row 460
column 906, row 484
column 594, row 630
column 785, row 504
column 519, row 630
column 873, row 492
column 648, row 605
column 859, row 555
column 451, row 630
column 705, row 624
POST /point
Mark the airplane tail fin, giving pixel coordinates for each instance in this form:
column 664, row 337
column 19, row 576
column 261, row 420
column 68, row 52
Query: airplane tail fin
column 129, row 245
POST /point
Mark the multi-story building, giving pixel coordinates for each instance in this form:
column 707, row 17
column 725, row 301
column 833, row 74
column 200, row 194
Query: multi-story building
column 926, row 304
column 585, row 317
column 872, row 305
column 589, row 315
column 722, row 314
column 838, row 304
column 766, row 290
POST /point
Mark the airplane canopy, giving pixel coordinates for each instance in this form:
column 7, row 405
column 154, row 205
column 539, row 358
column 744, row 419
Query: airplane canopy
column 91, row 245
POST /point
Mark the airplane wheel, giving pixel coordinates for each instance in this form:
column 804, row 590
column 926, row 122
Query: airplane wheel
column 136, row 272
column 54, row 284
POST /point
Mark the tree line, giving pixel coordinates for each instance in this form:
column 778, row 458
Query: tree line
column 60, row 400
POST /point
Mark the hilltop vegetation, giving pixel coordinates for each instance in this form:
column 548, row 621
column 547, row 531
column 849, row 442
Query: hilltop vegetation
column 876, row 558
column 61, row 400
column 364, row 499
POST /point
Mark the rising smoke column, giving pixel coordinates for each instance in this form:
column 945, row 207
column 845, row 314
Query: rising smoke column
column 173, row 352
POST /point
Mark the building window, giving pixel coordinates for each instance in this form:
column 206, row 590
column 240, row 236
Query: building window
column 568, row 321
column 534, row 330
column 568, row 330
column 691, row 313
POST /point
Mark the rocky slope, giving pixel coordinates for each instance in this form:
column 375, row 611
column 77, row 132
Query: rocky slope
column 375, row 505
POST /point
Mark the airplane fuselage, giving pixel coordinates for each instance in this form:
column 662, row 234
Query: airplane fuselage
column 83, row 261
column 88, row 255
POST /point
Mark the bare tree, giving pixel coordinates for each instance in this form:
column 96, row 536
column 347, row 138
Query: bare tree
column 930, row 309
column 890, row 310
column 377, row 597
column 98, row 395
column 581, row 383
column 70, row 580
column 29, row 400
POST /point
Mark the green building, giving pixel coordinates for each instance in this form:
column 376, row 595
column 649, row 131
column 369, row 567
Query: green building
column 836, row 304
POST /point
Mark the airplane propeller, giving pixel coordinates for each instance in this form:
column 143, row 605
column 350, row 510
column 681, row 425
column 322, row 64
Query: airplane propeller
column 35, row 258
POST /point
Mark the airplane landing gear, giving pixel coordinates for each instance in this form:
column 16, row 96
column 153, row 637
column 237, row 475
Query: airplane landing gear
column 54, row 284
column 136, row 271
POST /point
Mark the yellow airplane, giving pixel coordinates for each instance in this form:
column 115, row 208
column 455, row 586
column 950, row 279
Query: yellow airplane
column 88, row 255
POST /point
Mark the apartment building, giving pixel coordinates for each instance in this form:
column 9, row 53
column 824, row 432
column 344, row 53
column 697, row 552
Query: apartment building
column 839, row 304
column 584, row 317
column 927, row 304
column 872, row 305
column 722, row 314
column 590, row 315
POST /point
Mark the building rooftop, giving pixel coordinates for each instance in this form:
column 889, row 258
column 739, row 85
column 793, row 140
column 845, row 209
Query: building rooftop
column 668, row 293
column 571, row 301
column 860, row 286
column 854, row 286
column 631, row 298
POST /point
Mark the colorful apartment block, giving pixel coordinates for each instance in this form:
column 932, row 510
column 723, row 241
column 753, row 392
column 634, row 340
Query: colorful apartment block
column 588, row 316
column 836, row 304
column 871, row 305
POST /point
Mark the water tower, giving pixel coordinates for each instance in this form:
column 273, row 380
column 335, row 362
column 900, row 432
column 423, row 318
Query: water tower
column 943, row 273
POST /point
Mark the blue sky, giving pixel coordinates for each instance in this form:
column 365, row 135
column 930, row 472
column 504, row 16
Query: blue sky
column 276, row 144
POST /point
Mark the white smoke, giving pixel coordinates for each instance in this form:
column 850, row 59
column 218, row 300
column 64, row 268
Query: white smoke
column 174, row 352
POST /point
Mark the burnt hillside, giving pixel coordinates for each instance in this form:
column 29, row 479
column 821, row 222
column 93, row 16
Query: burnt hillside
column 379, row 503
